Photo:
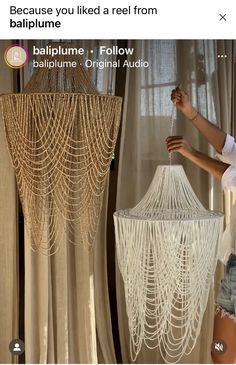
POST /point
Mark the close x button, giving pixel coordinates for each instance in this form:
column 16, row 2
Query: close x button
column 222, row 17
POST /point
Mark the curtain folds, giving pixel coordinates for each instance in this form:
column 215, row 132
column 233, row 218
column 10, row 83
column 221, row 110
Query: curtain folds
column 145, row 126
column 8, row 233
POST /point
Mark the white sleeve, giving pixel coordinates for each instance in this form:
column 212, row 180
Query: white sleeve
column 228, row 179
column 229, row 151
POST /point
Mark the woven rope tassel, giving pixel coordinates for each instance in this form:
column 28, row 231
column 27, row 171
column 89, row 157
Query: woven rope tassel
column 167, row 248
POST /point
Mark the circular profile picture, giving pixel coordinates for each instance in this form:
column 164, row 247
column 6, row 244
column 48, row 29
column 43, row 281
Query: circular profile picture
column 16, row 56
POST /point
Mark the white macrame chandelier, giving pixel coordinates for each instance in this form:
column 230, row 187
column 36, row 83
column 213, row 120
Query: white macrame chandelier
column 167, row 247
column 61, row 136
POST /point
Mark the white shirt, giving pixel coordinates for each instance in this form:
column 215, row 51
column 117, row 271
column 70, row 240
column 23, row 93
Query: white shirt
column 229, row 156
column 229, row 183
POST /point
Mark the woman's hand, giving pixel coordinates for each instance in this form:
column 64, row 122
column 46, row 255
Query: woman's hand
column 179, row 144
column 181, row 100
column 214, row 167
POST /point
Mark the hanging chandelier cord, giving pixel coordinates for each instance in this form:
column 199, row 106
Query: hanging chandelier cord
column 172, row 120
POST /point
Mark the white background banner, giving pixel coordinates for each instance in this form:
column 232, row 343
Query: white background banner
column 123, row 19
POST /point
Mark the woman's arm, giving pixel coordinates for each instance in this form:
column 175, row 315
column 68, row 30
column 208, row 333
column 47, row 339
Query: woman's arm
column 214, row 135
column 212, row 166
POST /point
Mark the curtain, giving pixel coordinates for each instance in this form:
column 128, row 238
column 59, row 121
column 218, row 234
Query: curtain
column 145, row 126
column 8, row 233
column 67, row 313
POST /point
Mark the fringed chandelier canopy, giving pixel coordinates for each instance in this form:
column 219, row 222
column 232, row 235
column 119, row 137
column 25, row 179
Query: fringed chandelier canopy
column 61, row 136
column 167, row 248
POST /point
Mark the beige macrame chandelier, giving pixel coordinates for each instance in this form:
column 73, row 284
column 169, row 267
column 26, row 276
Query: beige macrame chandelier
column 167, row 249
column 61, row 136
